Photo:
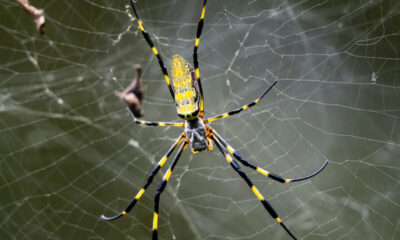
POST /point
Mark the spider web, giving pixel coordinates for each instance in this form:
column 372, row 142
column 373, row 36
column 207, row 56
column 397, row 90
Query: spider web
column 69, row 152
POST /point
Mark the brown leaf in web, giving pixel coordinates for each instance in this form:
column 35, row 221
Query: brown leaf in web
column 37, row 14
column 133, row 95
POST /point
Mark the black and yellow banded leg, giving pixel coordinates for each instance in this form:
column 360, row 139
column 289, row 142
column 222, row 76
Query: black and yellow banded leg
column 233, row 112
column 160, row 124
column 195, row 59
column 149, row 180
column 260, row 170
column 256, row 192
column 162, row 186
column 153, row 48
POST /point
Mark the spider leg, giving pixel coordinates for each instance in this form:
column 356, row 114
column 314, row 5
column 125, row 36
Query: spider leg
column 160, row 124
column 162, row 186
column 151, row 44
column 260, row 170
column 233, row 112
column 195, row 60
column 256, row 192
column 149, row 180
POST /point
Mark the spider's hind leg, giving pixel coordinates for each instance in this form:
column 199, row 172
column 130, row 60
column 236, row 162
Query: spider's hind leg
column 162, row 186
column 254, row 189
column 236, row 111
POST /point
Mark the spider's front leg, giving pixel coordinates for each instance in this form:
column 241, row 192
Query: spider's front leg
column 236, row 111
column 154, row 49
column 159, row 124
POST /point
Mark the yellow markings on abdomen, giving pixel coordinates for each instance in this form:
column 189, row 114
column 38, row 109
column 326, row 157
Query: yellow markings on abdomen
column 186, row 93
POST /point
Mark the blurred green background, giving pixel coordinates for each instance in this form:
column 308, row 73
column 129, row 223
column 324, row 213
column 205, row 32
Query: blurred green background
column 69, row 152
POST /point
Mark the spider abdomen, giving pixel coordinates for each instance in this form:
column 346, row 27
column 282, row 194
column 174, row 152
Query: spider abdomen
column 185, row 87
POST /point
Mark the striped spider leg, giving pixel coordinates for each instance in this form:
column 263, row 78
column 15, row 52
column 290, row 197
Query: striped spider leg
column 236, row 111
column 195, row 60
column 273, row 176
column 153, row 48
column 256, row 192
column 152, row 123
column 162, row 186
column 149, row 181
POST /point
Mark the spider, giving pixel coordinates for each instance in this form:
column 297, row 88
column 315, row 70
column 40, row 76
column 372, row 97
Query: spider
column 187, row 94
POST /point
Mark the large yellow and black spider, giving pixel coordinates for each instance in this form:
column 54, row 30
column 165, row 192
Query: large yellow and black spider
column 187, row 93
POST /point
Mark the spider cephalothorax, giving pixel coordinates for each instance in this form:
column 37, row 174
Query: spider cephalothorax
column 187, row 93
column 196, row 133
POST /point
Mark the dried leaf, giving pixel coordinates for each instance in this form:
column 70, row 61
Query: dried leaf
column 133, row 95
column 37, row 14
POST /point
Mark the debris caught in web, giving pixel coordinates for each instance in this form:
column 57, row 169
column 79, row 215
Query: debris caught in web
column 37, row 14
column 374, row 77
column 133, row 95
